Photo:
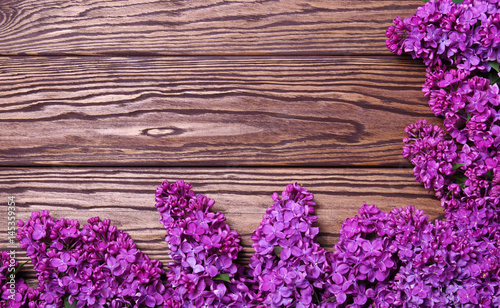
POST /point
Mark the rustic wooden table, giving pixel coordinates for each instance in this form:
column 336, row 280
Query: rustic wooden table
column 102, row 100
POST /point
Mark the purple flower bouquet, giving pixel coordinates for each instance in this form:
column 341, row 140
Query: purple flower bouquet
column 95, row 266
column 395, row 259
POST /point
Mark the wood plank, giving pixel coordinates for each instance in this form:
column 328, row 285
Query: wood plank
column 126, row 196
column 198, row 27
column 236, row 111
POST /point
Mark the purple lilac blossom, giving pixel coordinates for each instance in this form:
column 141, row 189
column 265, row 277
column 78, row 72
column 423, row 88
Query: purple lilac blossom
column 203, row 249
column 400, row 259
column 22, row 296
column 460, row 163
column 95, row 266
column 289, row 265
column 445, row 32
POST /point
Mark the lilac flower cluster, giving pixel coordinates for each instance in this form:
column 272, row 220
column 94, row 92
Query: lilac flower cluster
column 400, row 259
column 460, row 163
column 95, row 266
column 442, row 31
column 460, row 45
column 469, row 193
column 289, row 266
column 21, row 296
column 395, row 259
column 203, row 249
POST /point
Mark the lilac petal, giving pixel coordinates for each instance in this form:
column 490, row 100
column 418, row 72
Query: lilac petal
column 211, row 270
column 150, row 301
column 381, row 276
column 288, row 216
column 297, row 252
column 302, row 227
column 267, row 229
column 337, row 278
column 342, row 268
column 363, row 269
column 220, row 291
column 280, row 234
column 285, row 253
column 38, row 232
column 225, row 261
column 185, row 246
column 198, row 268
column 352, row 246
column 56, row 262
column 191, row 261
column 341, row 297
column 270, row 237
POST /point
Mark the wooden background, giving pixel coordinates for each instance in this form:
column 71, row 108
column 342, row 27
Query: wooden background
column 100, row 101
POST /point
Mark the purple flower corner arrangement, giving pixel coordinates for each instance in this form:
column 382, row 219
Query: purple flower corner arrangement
column 394, row 259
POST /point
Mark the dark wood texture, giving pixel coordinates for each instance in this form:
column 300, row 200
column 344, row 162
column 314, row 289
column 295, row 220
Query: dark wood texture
column 197, row 27
column 300, row 111
column 126, row 196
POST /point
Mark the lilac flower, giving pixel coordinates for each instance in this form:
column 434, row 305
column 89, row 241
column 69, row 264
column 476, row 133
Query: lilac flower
column 15, row 292
column 288, row 264
column 96, row 266
column 72, row 282
column 460, row 163
column 468, row 295
column 203, row 249
column 273, row 232
column 63, row 262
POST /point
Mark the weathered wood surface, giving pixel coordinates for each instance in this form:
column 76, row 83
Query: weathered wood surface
column 126, row 196
column 197, row 27
column 208, row 111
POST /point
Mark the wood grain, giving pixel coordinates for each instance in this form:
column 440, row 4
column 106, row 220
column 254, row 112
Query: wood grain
column 198, row 27
column 236, row 111
column 126, row 196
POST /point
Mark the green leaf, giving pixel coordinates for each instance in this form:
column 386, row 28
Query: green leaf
column 493, row 77
column 425, row 1
column 460, row 180
column 456, row 166
column 494, row 65
column 277, row 250
column 224, row 277
column 317, row 298
column 458, row 1
column 68, row 305
column 19, row 268
column 468, row 117
column 331, row 299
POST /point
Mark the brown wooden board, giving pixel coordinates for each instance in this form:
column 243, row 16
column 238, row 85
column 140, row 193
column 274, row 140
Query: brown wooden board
column 126, row 196
column 198, row 27
column 295, row 111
